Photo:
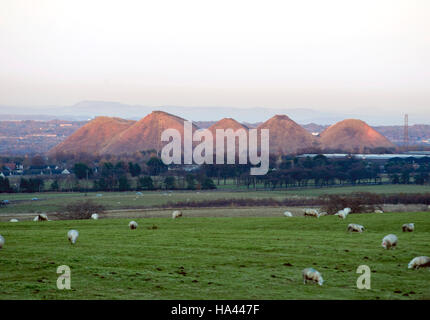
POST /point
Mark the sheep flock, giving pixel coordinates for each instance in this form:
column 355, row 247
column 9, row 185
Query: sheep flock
column 390, row 241
column 309, row 275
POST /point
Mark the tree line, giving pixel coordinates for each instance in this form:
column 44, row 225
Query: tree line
column 285, row 172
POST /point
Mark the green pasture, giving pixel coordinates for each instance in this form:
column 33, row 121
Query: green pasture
column 214, row 258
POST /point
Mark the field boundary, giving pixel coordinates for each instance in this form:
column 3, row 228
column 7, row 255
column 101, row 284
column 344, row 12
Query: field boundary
column 233, row 211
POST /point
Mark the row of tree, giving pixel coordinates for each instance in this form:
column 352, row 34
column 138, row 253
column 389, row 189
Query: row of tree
column 284, row 172
column 324, row 171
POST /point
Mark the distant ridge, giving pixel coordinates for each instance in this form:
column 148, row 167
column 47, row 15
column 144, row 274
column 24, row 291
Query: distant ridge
column 145, row 134
column 227, row 123
column 85, row 110
column 93, row 136
column 106, row 135
column 353, row 135
column 286, row 136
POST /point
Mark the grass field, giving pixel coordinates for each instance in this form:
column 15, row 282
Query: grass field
column 50, row 202
column 214, row 258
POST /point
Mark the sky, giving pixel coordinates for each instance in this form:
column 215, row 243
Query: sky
column 331, row 55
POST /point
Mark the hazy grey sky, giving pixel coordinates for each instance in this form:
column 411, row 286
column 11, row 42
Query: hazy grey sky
column 327, row 55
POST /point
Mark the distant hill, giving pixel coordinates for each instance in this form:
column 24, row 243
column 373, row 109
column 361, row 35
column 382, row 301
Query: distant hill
column 353, row 135
column 286, row 136
column 228, row 123
column 145, row 134
column 93, row 137
column 85, row 110
column 20, row 137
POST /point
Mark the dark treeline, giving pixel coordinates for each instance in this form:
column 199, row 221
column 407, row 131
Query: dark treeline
column 150, row 173
column 119, row 176
column 322, row 171
column 155, row 175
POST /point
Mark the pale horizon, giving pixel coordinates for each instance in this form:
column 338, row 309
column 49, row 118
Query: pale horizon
column 335, row 56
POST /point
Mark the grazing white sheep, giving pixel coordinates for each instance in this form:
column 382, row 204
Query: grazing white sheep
column 72, row 235
column 312, row 213
column 389, row 241
column 1, row 241
column 378, row 211
column 409, row 227
column 288, row 214
column 13, row 220
column 132, row 225
column 176, row 214
column 310, row 274
column 347, row 210
column 342, row 214
column 419, row 262
column 41, row 217
column 139, row 193
column 353, row 227
column 95, row 216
